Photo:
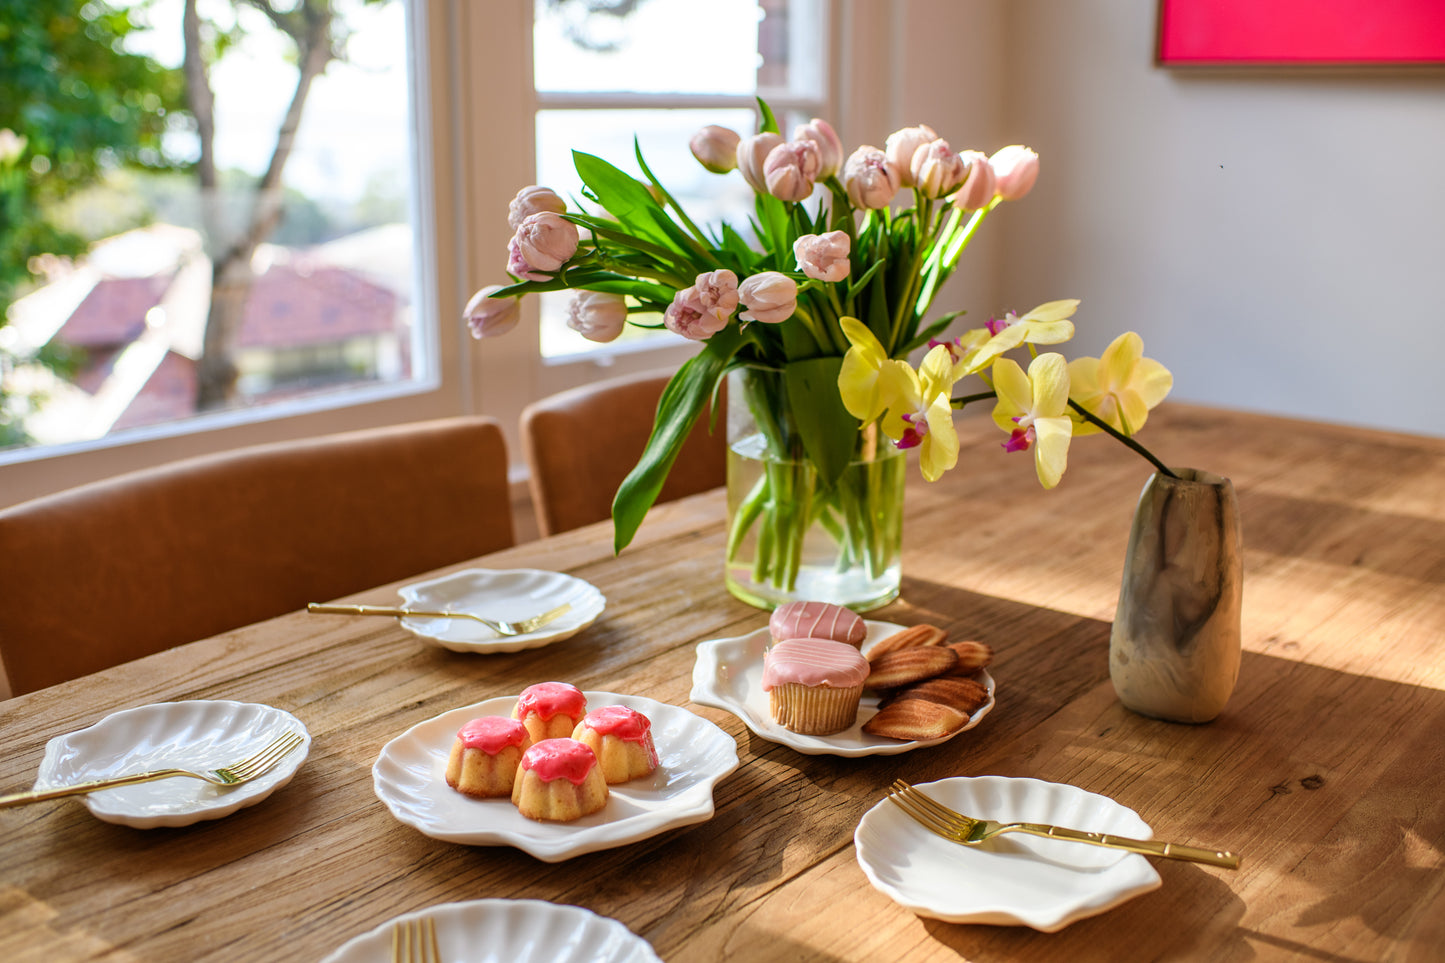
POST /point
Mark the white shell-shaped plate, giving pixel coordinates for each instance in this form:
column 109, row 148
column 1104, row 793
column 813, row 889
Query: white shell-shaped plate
column 1012, row 879
column 503, row 595
column 728, row 675
column 510, row 931
column 197, row 735
column 693, row 754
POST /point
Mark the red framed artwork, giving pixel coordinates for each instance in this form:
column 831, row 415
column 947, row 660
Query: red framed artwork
column 1301, row 32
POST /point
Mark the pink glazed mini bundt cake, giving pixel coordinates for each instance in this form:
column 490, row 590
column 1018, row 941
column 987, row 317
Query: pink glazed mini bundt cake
column 550, row 710
column 559, row 779
column 484, row 759
column 621, row 738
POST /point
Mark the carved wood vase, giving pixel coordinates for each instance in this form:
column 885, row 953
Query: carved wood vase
column 1175, row 647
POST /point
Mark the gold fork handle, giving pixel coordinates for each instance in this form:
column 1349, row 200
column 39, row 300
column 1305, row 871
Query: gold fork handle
column 1149, row 847
column 318, row 608
column 94, row 785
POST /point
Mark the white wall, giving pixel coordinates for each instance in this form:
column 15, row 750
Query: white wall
column 1277, row 238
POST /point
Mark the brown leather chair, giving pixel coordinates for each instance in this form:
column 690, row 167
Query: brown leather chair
column 581, row 443
column 122, row 568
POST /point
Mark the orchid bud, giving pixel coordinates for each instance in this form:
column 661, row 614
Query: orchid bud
column 869, row 178
column 979, row 185
column 1016, row 168
column 937, row 170
column 791, row 169
column 717, row 293
column 716, row 148
column 830, row 148
column 533, row 200
column 546, row 241
column 753, row 154
column 823, row 257
column 902, row 145
column 597, row 316
column 488, row 316
column 769, row 297
column 686, row 316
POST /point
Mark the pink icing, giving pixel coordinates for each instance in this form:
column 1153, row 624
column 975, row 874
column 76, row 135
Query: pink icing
column 547, row 699
column 816, row 620
column 492, row 734
column 553, row 759
column 624, row 723
column 814, row 662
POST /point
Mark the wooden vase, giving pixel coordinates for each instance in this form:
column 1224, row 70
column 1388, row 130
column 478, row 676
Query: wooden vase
column 1175, row 646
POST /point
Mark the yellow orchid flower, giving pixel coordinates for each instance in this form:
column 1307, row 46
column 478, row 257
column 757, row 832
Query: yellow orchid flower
column 1032, row 409
column 1046, row 324
column 1119, row 387
column 919, row 413
column 859, row 382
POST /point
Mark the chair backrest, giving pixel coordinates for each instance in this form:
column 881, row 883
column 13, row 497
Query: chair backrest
column 581, row 443
column 122, row 568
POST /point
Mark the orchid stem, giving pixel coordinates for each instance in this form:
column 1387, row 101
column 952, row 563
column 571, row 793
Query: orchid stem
column 1119, row 436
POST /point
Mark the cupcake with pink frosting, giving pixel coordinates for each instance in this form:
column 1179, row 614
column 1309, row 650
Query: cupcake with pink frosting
column 817, row 620
column 814, row 685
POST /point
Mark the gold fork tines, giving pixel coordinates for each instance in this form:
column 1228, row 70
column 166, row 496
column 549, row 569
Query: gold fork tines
column 943, row 821
column 252, row 767
column 415, row 941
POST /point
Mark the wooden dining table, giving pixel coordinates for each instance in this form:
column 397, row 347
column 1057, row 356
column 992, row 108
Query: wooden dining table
column 1326, row 771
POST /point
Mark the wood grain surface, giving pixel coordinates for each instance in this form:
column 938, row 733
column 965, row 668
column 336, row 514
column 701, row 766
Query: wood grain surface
column 1326, row 770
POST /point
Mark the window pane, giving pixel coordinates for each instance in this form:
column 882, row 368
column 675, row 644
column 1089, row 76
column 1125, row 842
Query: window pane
column 322, row 295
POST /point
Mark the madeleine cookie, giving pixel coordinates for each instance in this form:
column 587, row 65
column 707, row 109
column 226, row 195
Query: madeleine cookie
column 914, row 635
column 903, row 666
column 972, row 656
column 963, row 695
column 916, row 720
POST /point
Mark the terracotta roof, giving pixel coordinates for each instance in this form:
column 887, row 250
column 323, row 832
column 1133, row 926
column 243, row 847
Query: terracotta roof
column 168, row 395
column 292, row 305
column 114, row 311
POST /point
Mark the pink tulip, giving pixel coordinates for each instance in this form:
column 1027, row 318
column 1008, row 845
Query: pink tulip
column 769, row 297
column 823, row 257
column 717, row 293
column 979, row 185
column 687, row 317
column 752, row 155
column 488, row 316
column 546, row 240
column 716, row 148
column 830, row 147
column 869, row 178
column 1016, row 168
column 791, row 169
column 902, row 145
column 597, row 316
column 533, row 200
column 937, row 170
column 517, row 264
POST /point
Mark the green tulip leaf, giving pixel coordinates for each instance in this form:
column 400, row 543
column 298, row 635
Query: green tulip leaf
column 624, row 197
column 829, row 432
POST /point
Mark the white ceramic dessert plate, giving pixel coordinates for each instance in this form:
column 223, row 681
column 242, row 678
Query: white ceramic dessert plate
column 198, row 735
column 503, row 595
column 728, row 675
column 1013, row 879
column 510, row 931
column 693, row 754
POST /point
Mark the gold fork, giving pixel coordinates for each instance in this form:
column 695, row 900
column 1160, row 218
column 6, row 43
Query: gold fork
column 521, row 627
column 415, row 941
column 945, row 822
column 233, row 775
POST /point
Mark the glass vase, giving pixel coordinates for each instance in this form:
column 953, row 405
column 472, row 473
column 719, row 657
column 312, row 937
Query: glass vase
column 792, row 535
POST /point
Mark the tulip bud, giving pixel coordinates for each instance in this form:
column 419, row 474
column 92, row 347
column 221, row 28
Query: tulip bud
column 937, row 170
column 717, row 293
column 902, row 145
column 869, row 178
column 752, row 155
column 686, row 316
column 715, row 148
column 830, row 148
column 1016, row 168
column 823, row 257
column 488, row 316
column 533, row 200
column 517, row 264
column 769, row 297
column 979, row 184
column 791, row 169
column 546, row 241
column 597, row 316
